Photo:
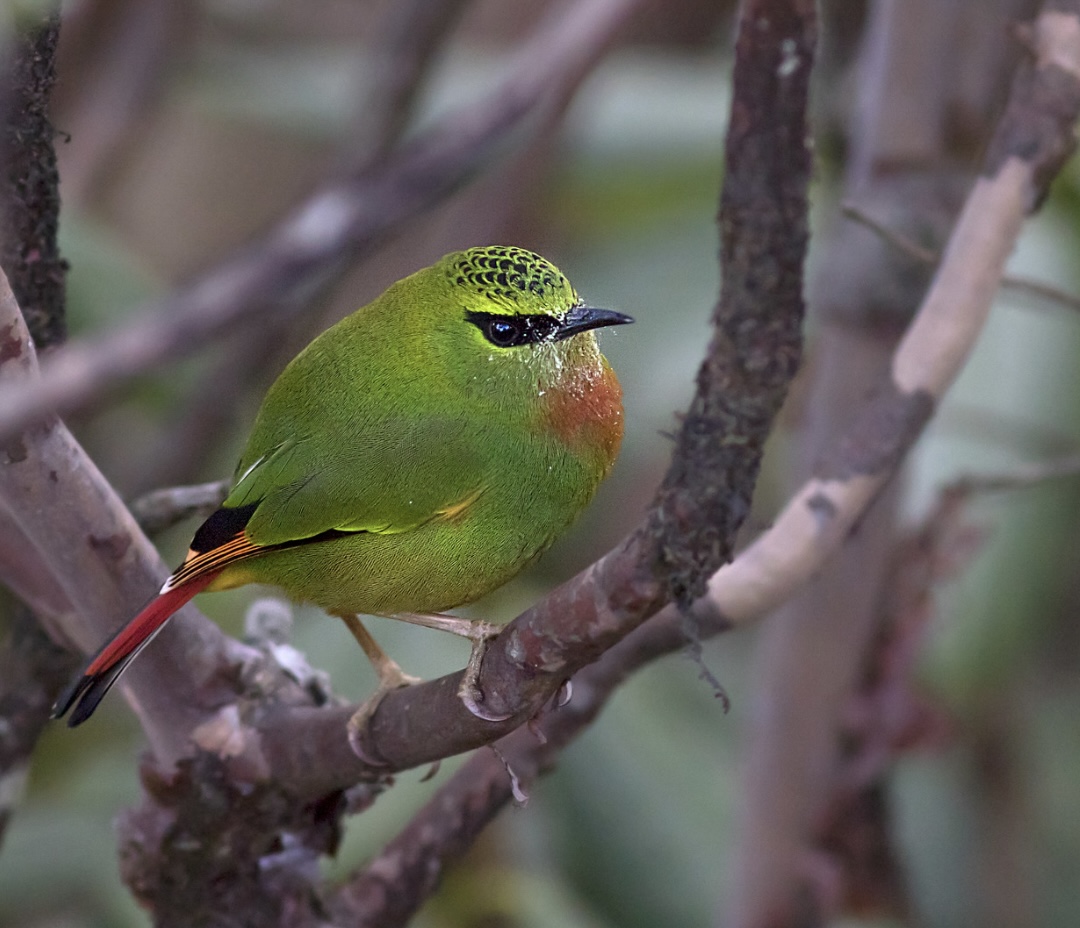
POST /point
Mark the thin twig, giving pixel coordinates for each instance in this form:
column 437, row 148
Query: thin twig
column 1014, row 282
column 1028, row 286
column 404, row 48
column 161, row 509
column 897, row 239
column 1020, row 477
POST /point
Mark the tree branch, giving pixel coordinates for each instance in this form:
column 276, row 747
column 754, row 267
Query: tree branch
column 161, row 509
column 32, row 667
column 100, row 561
column 403, row 50
column 390, row 888
column 30, row 198
column 1032, row 141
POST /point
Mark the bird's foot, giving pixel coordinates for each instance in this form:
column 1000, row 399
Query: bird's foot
column 479, row 633
column 469, row 692
column 391, row 677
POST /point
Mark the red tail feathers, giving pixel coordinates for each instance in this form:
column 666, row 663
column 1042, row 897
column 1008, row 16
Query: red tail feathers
column 103, row 669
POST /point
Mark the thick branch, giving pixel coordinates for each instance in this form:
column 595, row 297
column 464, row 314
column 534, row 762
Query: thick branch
column 99, row 559
column 32, row 667
column 390, row 889
column 755, row 352
column 34, row 670
column 29, row 185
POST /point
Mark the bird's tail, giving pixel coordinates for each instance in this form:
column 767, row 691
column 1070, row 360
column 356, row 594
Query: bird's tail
column 105, row 667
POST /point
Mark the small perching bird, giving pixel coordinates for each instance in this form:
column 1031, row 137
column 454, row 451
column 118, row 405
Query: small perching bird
column 415, row 456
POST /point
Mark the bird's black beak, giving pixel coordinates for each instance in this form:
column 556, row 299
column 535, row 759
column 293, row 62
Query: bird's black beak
column 583, row 318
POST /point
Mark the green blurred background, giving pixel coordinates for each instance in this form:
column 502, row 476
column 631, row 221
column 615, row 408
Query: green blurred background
column 635, row 827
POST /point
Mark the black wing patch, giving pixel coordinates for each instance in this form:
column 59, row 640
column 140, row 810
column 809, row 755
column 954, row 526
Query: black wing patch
column 223, row 526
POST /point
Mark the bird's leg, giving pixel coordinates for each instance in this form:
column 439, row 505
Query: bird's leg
column 391, row 676
column 473, row 629
column 479, row 633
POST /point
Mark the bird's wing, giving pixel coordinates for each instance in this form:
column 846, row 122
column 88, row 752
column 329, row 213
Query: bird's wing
column 410, row 473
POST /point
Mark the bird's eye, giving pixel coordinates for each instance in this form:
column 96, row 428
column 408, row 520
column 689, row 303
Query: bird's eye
column 502, row 332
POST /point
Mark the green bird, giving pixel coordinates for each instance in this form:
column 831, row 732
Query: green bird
column 415, row 456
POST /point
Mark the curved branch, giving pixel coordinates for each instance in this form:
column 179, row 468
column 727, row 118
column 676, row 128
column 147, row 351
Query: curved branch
column 390, row 888
column 100, row 561
column 1032, row 141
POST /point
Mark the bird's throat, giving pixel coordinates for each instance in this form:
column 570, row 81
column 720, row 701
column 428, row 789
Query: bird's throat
column 584, row 410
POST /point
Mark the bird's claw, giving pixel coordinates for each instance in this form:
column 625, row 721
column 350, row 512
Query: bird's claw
column 356, row 726
column 469, row 691
column 564, row 693
column 394, row 678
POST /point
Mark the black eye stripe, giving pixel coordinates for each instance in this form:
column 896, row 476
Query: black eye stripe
column 510, row 331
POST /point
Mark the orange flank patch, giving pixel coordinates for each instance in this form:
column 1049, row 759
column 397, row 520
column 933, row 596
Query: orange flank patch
column 586, row 412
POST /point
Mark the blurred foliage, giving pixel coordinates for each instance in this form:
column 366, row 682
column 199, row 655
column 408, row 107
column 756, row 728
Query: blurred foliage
column 634, row 828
